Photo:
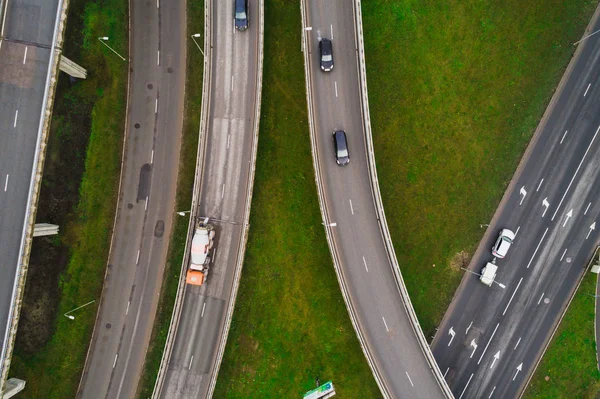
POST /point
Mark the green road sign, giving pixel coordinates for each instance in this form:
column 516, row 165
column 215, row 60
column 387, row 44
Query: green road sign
column 324, row 391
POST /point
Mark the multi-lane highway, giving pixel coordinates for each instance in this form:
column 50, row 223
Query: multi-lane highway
column 365, row 267
column 27, row 35
column 491, row 338
column 146, row 201
column 223, row 194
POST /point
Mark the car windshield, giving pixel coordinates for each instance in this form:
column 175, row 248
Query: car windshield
column 342, row 153
column 240, row 15
column 327, row 57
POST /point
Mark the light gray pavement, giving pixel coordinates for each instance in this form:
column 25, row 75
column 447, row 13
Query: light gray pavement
column 224, row 189
column 24, row 58
column 500, row 334
column 365, row 268
column 146, row 201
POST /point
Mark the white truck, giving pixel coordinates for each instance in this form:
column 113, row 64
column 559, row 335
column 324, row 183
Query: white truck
column 202, row 244
column 488, row 274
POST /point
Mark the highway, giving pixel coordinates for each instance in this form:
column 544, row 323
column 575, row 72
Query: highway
column 491, row 339
column 145, row 209
column 223, row 194
column 365, row 269
column 27, row 31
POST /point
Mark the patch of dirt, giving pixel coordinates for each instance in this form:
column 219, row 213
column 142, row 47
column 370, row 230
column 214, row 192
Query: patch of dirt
column 459, row 260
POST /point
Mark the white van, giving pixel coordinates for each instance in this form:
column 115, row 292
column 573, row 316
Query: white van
column 488, row 274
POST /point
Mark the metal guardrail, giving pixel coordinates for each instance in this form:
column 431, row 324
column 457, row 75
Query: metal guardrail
column 359, row 44
column 34, row 185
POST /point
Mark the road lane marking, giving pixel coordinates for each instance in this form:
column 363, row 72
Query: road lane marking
column 563, row 255
column 231, row 82
column 411, row 383
column 137, row 259
column 386, row 327
column 331, row 26
column 158, row 57
column 465, row 388
column 146, row 205
column 156, row 106
column 203, row 307
column 536, row 249
column 446, row 372
column 512, row 296
column 452, row 333
column 540, row 300
column 474, row 346
column 115, row 362
column 517, row 344
column 517, row 232
column 539, row 185
column 25, row 55
column 468, row 328
column 191, row 360
column 335, row 85
column 488, row 344
column 223, row 191
column 351, row 208
column 492, row 392
column 576, row 171
column 6, row 183
column 563, row 137
column 127, row 310
column 157, row 4
column 152, row 157
column 228, row 137
column 16, row 117
column 586, row 209
column 365, row 262
column 586, row 90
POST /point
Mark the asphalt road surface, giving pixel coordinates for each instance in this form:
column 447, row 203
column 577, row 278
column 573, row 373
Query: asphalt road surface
column 365, row 266
column 491, row 338
column 24, row 58
column 224, row 189
column 146, row 201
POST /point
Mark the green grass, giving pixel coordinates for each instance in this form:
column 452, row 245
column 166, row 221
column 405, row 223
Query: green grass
column 55, row 369
column 570, row 361
column 456, row 89
column 185, row 182
column 290, row 323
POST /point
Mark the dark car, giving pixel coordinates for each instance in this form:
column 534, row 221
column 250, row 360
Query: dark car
column 341, row 148
column 326, row 50
column 241, row 14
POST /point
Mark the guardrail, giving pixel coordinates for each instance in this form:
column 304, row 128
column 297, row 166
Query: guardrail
column 34, row 186
column 206, row 90
column 359, row 44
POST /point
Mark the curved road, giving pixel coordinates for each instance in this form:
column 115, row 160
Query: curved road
column 364, row 266
column 146, row 201
column 224, row 191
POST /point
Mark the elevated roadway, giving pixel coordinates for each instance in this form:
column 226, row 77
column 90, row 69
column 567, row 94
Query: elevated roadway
column 366, row 266
column 491, row 339
column 223, row 188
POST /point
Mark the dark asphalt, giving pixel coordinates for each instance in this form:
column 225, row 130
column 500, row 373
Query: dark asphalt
column 499, row 331
column 24, row 58
column 223, row 192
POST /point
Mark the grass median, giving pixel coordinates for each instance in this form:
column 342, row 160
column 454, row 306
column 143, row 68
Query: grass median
column 79, row 192
column 183, row 200
column 290, row 323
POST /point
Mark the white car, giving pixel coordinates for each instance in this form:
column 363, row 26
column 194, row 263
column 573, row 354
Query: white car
column 503, row 243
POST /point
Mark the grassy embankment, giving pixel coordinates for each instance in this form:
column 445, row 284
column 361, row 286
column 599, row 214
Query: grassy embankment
column 290, row 323
column 456, row 90
column 79, row 192
column 187, row 167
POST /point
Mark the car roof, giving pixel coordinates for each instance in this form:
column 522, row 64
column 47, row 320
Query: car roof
column 326, row 44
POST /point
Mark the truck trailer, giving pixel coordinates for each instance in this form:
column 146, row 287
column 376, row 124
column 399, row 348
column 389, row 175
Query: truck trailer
column 202, row 244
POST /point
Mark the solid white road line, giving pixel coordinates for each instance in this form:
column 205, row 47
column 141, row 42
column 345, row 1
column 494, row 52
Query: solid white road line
column 465, row 388
column 115, row 362
column 563, row 137
column 536, row 248
column 365, row 262
column 576, row 171
column 203, row 307
column 517, row 232
column 563, row 255
column 586, row 90
column 191, row 360
column 540, row 300
column 25, row 55
column 468, row 328
column 586, row 209
column 488, row 344
column 517, row 344
column 409, row 380
column 6, row 183
column 492, row 392
column 539, row 185
column 16, row 117
column 386, row 327
column 512, row 296
column 446, row 372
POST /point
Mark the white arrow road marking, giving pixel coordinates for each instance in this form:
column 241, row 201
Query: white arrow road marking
column 519, row 368
column 468, row 328
column 474, row 345
column 569, row 216
column 452, row 334
column 592, row 227
column 545, row 204
column 496, row 357
column 523, row 193
column 465, row 388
